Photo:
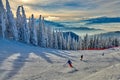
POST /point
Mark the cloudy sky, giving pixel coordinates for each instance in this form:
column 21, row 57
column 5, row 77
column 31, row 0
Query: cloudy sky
column 68, row 9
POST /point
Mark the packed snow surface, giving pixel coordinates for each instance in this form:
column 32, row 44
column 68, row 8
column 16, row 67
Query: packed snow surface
column 26, row 62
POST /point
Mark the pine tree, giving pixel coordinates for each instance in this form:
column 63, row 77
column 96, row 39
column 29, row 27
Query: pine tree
column 33, row 31
column 86, row 42
column 25, row 27
column 3, row 18
column 11, row 21
column 21, row 23
column 79, row 44
column 69, row 40
column 43, row 39
column 55, row 39
column 39, row 31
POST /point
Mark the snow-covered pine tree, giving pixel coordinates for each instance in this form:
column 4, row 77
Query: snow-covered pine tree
column 43, row 43
column 73, row 45
column 33, row 31
column 26, row 29
column 21, row 23
column 85, row 42
column 39, row 31
column 49, row 37
column 115, row 42
column 55, row 39
column 69, row 40
column 1, row 15
column 64, row 43
column 59, row 38
column 46, row 38
column 79, row 44
column 2, row 20
column 11, row 21
column 76, row 46
column 100, row 42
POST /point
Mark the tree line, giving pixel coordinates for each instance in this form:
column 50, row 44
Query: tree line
column 25, row 30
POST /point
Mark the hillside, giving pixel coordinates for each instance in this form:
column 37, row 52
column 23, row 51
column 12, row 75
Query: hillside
column 72, row 34
column 25, row 62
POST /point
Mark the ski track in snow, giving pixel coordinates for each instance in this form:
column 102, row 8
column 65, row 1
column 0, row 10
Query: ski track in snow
column 24, row 62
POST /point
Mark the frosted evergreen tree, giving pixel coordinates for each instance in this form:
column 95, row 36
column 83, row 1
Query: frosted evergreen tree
column 59, row 38
column 115, row 42
column 43, row 43
column 79, row 44
column 64, row 43
column 2, row 19
column 33, row 31
column 72, row 46
column 21, row 22
column 69, row 40
column 86, row 42
column 39, row 31
column 49, row 37
column 75, row 44
column 46, row 37
column 11, row 21
column 55, row 40
column 91, row 45
column 25, row 27
column 100, row 42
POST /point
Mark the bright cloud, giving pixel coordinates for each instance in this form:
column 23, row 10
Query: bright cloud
column 52, row 18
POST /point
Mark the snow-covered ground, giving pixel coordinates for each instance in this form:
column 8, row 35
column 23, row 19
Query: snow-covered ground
column 25, row 62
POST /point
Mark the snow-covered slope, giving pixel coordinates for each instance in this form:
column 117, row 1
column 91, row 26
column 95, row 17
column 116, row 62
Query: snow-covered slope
column 25, row 62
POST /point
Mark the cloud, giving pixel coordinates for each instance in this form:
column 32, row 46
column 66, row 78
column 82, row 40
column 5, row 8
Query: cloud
column 81, row 28
column 69, row 9
column 100, row 20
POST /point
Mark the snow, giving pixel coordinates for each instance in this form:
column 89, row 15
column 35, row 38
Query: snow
column 19, row 61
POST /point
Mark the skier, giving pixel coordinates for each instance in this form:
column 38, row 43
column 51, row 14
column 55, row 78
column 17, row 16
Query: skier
column 70, row 63
column 71, row 66
column 81, row 57
column 102, row 54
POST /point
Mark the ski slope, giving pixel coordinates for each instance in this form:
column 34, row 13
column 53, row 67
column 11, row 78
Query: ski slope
column 19, row 61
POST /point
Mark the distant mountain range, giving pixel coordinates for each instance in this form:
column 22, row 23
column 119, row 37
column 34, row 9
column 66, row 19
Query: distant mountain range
column 73, row 35
column 70, row 29
column 80, row 28
column 54, row 24
column 65, row 27
column 112, row 34
column 102, row 20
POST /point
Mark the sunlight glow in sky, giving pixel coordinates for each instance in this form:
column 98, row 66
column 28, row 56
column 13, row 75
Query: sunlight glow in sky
column 25, row 1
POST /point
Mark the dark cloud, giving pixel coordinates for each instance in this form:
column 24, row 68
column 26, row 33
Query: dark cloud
column 101, row 20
